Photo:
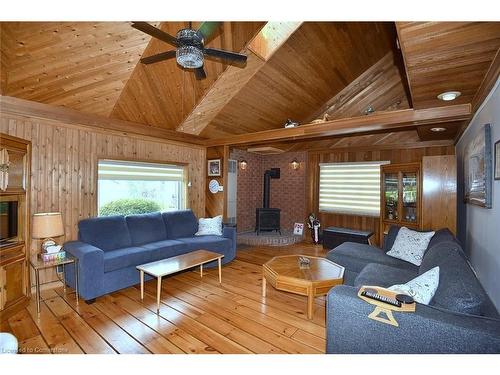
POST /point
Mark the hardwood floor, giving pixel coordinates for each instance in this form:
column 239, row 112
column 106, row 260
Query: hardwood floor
column 196, row 315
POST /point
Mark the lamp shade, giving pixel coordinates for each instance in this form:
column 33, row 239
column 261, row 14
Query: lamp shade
column 46, row 225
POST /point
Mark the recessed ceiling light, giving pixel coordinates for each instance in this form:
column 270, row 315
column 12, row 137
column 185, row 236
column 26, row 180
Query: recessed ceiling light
column 437, row 130
column 449, row 95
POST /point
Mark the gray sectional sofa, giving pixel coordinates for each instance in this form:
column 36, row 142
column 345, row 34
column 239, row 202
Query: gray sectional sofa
column 460, row 318
column 109, row 248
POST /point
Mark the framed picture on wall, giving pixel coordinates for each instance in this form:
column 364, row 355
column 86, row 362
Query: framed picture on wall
column 214, row 167
column 497, row 160
column 478, row 169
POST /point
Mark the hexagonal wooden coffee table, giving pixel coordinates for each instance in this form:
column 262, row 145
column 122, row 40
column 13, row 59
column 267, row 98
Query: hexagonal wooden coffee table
column 285, row 273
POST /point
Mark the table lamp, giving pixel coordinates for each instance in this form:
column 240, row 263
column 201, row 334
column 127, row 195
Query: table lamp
column 46, row 226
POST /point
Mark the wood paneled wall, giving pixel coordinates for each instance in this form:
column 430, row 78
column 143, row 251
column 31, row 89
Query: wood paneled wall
column 354, row 221
column 216, row 203
column 64, row 163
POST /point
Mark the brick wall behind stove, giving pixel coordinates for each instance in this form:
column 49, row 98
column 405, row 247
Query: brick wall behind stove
column 287, row 193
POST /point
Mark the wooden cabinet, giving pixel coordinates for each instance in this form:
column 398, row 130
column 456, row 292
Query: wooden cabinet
column 419, row 195
column 400, row 201
column 13, row 281
column 15, row 156
column 439, row 200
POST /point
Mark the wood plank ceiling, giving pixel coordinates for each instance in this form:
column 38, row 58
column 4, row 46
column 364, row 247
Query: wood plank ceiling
column 316, row 62
column 80, row 65
column 334, row 68
column 447, row 56
column 163, row 94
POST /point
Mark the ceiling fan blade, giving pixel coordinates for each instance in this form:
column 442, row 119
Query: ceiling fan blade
column 226, row 55
column 155, row 32
column 207, row 29
column 158, row 57
column 200, row 73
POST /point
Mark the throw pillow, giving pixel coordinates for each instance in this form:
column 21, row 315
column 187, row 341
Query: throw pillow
column 410, row 245
column 422, row 288
column 210, row 226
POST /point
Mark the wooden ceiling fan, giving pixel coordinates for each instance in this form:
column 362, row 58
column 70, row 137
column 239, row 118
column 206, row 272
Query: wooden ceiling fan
column 190, row 47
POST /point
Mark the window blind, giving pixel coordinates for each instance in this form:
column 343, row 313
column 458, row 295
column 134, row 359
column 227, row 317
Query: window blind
column 126, row 170
column 350, row 188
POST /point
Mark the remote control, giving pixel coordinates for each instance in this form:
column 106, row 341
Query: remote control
column 371, row 293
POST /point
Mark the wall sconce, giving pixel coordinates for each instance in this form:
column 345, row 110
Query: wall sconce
column 243, row 165
column 295, row 164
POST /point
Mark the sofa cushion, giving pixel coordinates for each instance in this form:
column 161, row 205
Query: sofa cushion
column 127, row 257
column 422, row 288
column 459, row 289
column 180, row 224
column 383, row 275
column 213, row 243
column 209, row 226
column 165, row 249
column 146, row 228
column 440, row 236
column 355, row 257
column 106, row 233
column 410, row 245
column 441, row 253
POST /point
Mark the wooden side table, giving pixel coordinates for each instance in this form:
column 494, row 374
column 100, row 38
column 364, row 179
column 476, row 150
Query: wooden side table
column 38, row 264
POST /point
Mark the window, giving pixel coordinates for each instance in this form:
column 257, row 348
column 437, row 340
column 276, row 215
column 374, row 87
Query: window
column 350, row 188
column 127, row 187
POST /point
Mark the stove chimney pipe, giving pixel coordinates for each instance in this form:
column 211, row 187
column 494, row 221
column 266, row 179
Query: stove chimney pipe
column 270, row 173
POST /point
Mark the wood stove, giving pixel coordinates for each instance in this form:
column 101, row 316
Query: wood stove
column 266, row 218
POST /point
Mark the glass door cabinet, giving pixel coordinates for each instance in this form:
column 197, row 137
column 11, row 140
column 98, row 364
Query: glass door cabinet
column 400, row 196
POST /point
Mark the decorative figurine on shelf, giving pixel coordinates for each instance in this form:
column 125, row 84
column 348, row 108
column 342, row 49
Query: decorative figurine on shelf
column 314, row 225
column 291, row 124
column 391, row 207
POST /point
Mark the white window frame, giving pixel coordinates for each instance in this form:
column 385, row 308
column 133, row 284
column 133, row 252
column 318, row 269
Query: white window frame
column 341, row 197
column 153, row 176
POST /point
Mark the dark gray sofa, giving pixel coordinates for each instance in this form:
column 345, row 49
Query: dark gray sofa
column 460, row 318
column 109, row 248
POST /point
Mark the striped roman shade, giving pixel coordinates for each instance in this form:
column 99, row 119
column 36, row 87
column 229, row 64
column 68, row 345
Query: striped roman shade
column 350, row 188
column 127, row 170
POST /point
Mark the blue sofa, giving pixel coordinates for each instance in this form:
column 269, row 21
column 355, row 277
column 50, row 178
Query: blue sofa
column 109, row 248
column 460, row 318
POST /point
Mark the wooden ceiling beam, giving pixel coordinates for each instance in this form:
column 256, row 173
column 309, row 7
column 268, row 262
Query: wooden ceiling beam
column 406, row 75
column 484, row 89
column 391, row 146
column 488, row 82
column 24, row 107
column 269, row 39
column 406, row 118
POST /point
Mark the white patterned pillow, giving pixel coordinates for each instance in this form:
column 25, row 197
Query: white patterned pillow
column 410, row 245
column 210, row 226
column 422, row 288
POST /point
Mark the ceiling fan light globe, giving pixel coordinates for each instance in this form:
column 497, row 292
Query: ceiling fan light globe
column 189, row 57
